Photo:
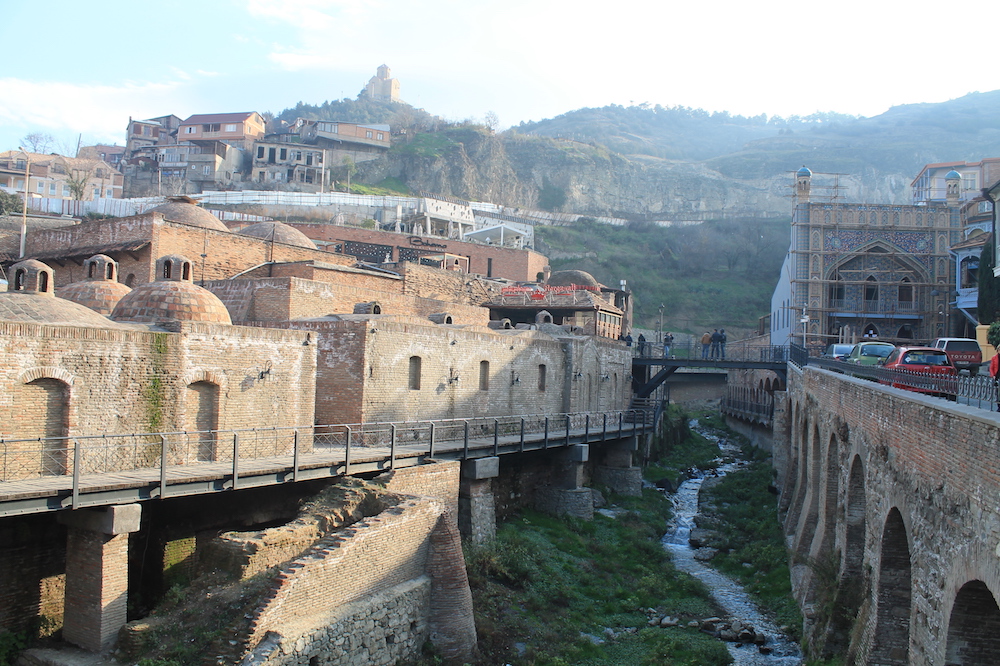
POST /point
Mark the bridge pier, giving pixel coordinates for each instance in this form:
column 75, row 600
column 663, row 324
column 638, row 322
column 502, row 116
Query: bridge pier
column 616, row 469
column 477, row 514
column 97, row 574
column 568, row 495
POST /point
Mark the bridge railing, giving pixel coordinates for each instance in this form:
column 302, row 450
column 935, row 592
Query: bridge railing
column 752, row 404
column 22, row 459
column 734, row 351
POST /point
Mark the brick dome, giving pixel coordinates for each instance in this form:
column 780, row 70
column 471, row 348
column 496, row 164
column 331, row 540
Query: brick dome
column 279, row 233
column 567, row 278
column 186, row 211
column 29, row 298
column 173, row 297
column 100, row 290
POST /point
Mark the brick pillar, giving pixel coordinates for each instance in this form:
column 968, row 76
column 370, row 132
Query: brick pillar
column 477, row 516
column 616, row 470
column 97, row 574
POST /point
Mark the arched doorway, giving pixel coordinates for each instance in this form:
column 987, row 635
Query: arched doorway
column 41, row 411
column 202, row 402
column 974, row 627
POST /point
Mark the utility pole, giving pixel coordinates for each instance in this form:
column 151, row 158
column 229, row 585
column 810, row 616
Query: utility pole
column 659, row 333
column 805, row 323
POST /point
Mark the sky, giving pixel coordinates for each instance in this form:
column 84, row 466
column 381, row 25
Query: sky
column 79, row 70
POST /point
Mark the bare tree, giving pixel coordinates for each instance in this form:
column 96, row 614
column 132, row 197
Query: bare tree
column 38, row 142
column 77, row 180
column 492, row 121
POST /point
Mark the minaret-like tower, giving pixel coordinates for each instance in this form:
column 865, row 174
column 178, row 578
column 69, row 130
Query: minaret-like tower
column 952, row 187
column 803, row 183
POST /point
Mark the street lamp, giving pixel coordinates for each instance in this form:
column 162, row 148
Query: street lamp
column 24, row 210
column 804, row 320
column 659, row 333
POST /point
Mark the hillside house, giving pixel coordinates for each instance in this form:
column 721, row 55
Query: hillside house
column 59, row 177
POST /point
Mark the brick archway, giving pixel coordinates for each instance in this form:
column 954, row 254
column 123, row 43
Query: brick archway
column 974, row 627
column 895, row 595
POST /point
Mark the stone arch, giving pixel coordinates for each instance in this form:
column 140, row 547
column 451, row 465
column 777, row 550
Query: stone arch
column 813, row 478
column 789, row 483
column 895, row 595
column 974, row 627
column 830, row 497
column 854, row 542
column 46, row 371
column 801, row 475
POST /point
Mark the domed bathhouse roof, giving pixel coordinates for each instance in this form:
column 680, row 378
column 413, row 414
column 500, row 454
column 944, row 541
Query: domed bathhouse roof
column 804, row 172
column 30, row 298
column 566, row 278
column 279, row 233
column 173, row 297
column 100, row 290
column 186, row 211
column 953, row 175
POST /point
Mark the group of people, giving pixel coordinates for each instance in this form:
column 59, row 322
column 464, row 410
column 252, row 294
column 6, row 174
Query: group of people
column 713, row 345
column 644, row 346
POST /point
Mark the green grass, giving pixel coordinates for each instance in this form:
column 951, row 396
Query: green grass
column 544, row 580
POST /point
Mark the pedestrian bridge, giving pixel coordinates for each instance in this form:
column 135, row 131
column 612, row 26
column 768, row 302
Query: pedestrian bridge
column 650, row 368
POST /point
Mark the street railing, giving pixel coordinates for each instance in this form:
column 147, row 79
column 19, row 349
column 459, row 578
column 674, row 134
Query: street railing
column 752, row 404
column 22, row 459
column 733, row 351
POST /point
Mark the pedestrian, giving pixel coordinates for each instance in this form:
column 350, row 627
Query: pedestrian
column 628, row 339
column 722, row 343
column 706, row 341
column 642, row 345
column 667, row 341
column 715, row 343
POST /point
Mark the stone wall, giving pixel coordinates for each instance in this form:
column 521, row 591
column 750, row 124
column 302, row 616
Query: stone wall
column 896, row 491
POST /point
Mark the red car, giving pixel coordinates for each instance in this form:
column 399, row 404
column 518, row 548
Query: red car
column 917, row 369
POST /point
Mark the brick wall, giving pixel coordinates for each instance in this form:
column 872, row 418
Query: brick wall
column 121, row 380
column 32, row 566
column 522, row 265
column 903, row 486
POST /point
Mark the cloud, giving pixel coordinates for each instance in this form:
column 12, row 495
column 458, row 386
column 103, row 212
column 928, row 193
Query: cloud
column 100, row 112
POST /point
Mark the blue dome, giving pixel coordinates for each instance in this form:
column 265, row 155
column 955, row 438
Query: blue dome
column 953, row 175
column 804, row 173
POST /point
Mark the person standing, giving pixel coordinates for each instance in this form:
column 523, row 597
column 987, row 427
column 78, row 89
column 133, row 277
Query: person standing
column 706, row 341
column 668, row 340
column 995, row 374
column 628, row 340
column 722, row 343
column 715, row 344
column 642, row 345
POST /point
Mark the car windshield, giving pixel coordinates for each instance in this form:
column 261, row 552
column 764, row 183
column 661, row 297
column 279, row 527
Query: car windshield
column 925, row 358
column 876, row 350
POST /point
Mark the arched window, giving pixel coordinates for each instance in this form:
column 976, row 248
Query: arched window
column 414, row 373
column 167, row 270
column 905, row 292
column 871, row 289
column 19, row 279
column 43, row 282
column 130, row 280
column 484, row 375
column 541, row 377
column 110, row 271
column 90, row 268
column 837, row 290
column 186, row 271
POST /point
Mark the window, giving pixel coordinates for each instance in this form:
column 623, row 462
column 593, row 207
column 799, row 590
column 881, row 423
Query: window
column 283, row 154
column 541, row 377
column 381, row 136
column 906, row 291
column 231, row 128
column 414, row 373
column 206, row 170
column 97, row 192
column 190, row 129
column 40, row 187
column 871, row 289
column 65, row 190
column 146, row 130
column 52, row 188
column 260, row 152
column 368, row 134
column 101, row 173
column 213, row 127
column 484, row 375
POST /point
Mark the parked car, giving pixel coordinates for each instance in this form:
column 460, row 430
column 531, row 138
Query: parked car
column 965, row 353
column 837, row 351
column 926, row 364
column 869, row 353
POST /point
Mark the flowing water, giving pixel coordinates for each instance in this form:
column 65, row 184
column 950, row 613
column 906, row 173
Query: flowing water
column 728, row 595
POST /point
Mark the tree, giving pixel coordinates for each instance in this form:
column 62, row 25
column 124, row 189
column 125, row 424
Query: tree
column 37, row 142
column 988, row 305
column 492, row 121
column 10, row 204
column 77, row 181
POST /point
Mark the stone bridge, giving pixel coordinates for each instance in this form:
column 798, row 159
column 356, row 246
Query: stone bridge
column 889, row 501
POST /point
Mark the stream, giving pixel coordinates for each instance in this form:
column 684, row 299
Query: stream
column 729, row 595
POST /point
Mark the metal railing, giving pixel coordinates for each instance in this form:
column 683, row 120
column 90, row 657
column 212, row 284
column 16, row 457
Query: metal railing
column 22, row 459
column 733, row 351
column 752, row 404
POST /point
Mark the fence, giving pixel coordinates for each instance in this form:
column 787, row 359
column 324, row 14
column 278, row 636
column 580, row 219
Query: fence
column 752, row 404
column 79, row 456
column 734, row 352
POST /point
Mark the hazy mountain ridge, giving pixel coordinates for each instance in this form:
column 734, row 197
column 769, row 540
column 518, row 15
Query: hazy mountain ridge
column 647, row 162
